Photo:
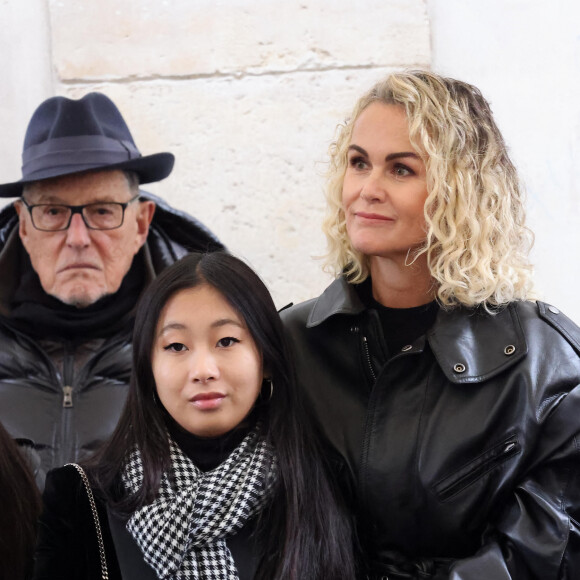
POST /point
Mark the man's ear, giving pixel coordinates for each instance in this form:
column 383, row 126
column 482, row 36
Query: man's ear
column 22, row 221
column 145, row 214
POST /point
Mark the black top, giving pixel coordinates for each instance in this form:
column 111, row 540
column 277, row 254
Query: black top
column 401, row 326
column 207, row 452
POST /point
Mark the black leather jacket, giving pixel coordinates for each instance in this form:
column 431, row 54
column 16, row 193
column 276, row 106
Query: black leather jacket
column 67, row 413
column 461, row 451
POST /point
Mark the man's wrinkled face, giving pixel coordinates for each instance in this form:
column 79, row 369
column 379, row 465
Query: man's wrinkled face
column 80, row 265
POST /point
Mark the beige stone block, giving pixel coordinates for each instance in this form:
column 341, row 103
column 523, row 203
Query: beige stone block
column 25, row 70
column 132, row 39
column 250, row 157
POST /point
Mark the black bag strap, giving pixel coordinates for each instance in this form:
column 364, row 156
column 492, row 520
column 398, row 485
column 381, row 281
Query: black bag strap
column 102, row 556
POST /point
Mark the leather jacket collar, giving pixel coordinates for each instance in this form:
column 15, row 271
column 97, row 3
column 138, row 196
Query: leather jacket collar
column 456, row 338
column 339, row 298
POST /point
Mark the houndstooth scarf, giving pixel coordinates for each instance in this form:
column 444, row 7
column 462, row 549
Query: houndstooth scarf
column 182, row 533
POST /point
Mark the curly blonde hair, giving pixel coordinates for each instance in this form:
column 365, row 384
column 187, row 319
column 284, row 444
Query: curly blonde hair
column 477, row 243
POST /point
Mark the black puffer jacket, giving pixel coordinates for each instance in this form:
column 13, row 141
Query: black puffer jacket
column 462, row 451
column 67, row 396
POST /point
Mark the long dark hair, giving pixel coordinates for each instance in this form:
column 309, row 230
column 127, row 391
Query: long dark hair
column 305, row 531
column 20, row 506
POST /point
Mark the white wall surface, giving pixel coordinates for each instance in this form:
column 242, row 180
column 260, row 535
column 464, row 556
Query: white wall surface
column 524, row 55
column 25, row 76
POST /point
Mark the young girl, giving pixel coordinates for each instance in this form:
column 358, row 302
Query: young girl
column 213, row 471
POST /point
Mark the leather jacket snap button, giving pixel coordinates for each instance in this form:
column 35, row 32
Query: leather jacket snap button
column 509, row 349
column 406, row 348
column 459, row 368
column 553, row 310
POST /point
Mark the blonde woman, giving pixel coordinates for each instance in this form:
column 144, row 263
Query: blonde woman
column 452, row 397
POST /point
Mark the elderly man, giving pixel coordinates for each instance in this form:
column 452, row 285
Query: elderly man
column 76, row 250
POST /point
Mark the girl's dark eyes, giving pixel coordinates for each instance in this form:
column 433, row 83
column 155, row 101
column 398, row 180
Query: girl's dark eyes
column 175, row 347
column 227, row 341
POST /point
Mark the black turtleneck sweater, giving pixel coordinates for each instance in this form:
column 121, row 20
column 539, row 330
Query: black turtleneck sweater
column 400, row 326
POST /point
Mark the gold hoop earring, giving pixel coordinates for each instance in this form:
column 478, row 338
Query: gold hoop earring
column 407, row 258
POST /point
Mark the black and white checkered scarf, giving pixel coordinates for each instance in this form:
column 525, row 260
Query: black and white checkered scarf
column 182, row 533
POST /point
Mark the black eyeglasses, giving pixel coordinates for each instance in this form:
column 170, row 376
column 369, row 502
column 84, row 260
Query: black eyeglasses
column 102, row 215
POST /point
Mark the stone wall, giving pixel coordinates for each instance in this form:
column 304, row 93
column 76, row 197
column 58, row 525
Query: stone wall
column 25, row 73
column 247, row 94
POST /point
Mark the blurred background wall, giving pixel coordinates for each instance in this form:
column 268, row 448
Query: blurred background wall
column 248, row 93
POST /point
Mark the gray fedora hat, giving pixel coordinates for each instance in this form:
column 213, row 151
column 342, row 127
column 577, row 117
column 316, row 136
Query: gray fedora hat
column 67, row 136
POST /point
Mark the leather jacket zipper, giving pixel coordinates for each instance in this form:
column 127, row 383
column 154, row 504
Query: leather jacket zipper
column 473, row 471
column 355, row 329
column 368, row 358
column 369, row 414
